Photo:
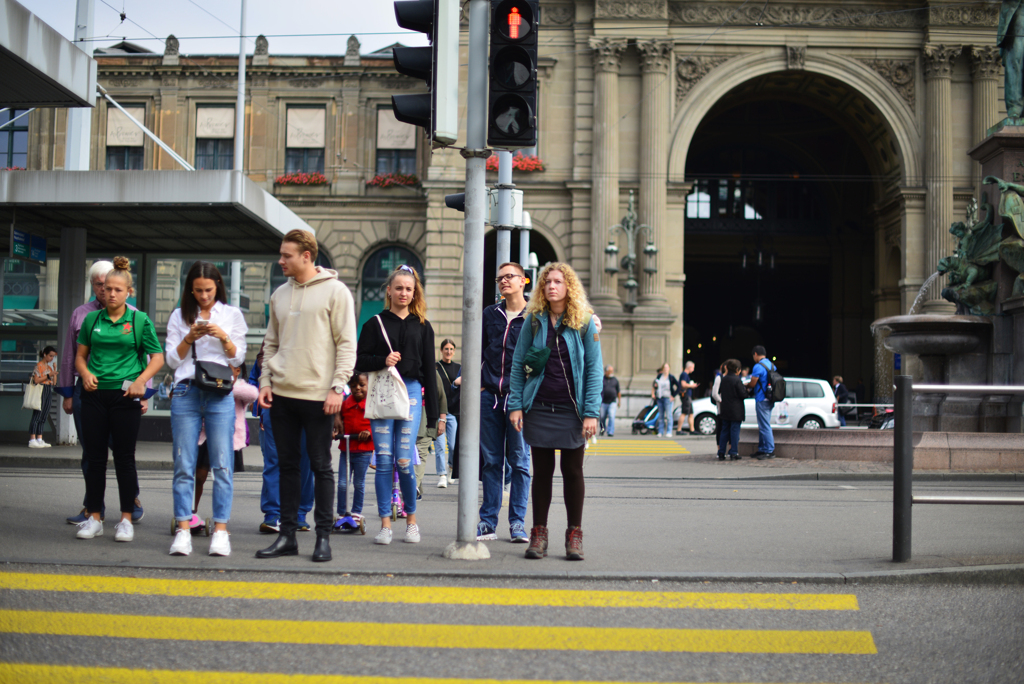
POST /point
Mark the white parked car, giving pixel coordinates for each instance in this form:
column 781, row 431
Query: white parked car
column 809, row 404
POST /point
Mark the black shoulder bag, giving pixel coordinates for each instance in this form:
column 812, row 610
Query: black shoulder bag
column 212, row 377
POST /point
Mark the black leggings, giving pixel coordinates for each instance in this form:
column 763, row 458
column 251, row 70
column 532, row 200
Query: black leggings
column 109, row 417
column 38, row 422
column 573, row 488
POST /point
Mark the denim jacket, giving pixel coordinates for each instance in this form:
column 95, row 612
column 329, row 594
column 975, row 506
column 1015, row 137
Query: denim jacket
column 584, row 355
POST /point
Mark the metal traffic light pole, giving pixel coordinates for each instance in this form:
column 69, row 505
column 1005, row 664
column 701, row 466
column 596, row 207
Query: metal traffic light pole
column 466, row 547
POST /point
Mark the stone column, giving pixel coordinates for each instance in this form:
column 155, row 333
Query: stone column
column 985, row 99
column 604, row 193
column 938, row 70
column 655, row 60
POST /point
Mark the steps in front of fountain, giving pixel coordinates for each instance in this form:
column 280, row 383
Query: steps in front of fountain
column 956, row 451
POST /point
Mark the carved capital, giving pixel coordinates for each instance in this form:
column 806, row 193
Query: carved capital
column 898, row 73
column 938, row 60
column 691, row 69
column 607, row 53
column 655, row 55
column 796, row 56
column 985, row 61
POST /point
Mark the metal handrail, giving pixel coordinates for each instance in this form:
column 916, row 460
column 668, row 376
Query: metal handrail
column 903, row 497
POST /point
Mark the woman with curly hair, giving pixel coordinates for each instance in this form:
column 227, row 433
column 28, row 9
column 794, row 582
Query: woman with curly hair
column 400, row 336
column 556, row 397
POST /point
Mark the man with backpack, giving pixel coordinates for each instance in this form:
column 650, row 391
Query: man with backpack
column 763, row 402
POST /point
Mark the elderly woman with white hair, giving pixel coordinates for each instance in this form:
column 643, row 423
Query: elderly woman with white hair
column 73, row 393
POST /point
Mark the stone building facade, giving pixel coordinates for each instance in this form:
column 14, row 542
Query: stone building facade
column 799, row 165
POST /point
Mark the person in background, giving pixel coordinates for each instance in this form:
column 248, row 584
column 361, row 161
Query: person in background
column 444, row 445
column 308, row 355
column 45, row 375
column 557, row 406
column 730, row 409
column 427, row 436
column 842, row 397
column 686, row 387
column 716, row 398
column 402, row 337
column 68, row 373
column 352, row 421
column 112, row 344
column 611, row 398
column 664, row 387
column 762, row 403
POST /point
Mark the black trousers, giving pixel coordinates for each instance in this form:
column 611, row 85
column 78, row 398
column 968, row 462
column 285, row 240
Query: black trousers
column 290, row 417
column 109, row 417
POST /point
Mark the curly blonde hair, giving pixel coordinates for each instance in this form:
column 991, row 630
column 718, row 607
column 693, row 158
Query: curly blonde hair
column 418, row 305
column 577, row 306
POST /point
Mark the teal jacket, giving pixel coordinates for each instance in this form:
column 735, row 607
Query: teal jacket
column 584, row 355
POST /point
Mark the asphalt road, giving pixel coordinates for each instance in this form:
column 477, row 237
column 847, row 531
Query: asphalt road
column 127, row 625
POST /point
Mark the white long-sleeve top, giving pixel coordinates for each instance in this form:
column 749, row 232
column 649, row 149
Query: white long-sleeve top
column 228, row 318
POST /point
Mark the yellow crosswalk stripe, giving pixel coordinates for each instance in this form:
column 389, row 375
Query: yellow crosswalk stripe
column 635, row 447
column 472, row 596
column 63, row 674
column 536, row 638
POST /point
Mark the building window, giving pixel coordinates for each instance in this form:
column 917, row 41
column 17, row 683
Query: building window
column 14, row 140
column 305, row 140
column 698, row 203
column 124, row 158
column 215, row 133
column 396, row 144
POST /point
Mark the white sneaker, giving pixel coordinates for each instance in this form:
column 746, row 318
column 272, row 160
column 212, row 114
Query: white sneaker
column 35, row 444
column 43, row 444
column 412, row 534
column 442, row 482
column 383, row 537
column 182, row 544
column 124, row 531
column 90, row 528
column 220, row 544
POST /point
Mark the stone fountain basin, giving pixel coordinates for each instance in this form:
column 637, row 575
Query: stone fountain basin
column 934, row 335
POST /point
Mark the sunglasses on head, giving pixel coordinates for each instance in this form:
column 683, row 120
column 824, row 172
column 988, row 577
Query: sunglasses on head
column 403, row 267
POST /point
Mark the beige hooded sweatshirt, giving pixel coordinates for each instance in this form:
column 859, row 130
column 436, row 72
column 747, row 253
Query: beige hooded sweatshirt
column 310, row 345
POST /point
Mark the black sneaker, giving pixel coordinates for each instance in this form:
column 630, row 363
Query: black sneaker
column 762, row 457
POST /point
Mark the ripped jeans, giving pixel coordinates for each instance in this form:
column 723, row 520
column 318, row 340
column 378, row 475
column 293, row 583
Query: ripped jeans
column 395, row 440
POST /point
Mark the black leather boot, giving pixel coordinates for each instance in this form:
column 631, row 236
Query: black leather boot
column 322, row 552
column 285, row 545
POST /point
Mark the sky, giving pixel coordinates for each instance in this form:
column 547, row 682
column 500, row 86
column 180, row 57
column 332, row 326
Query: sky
column 196, row 22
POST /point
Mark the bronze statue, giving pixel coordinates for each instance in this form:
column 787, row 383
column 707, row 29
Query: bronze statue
column 1010, row 39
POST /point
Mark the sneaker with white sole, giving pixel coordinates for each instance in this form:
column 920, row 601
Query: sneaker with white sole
column 442, row 482
column 182, row 544
column 485, row 532
column 412, row 534
column 124, row 531
column 35, row 444
column 518, row 533
column 220, row 544
column 90, row 528
column 383, row 537
column 43, row 444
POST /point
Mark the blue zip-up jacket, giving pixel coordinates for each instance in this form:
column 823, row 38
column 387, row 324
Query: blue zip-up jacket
column 499, row 344
column 587, row 367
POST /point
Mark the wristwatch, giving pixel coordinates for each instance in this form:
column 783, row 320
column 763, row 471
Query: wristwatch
column 338, row 389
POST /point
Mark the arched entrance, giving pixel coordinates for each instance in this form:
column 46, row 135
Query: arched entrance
column 787, row 171
column 376, row 270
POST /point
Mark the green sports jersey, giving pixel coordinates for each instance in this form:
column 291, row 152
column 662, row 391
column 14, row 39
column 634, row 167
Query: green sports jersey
column 117, row 349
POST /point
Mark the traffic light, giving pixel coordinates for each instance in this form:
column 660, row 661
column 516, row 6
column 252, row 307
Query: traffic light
column 512, row 110
column 438, row 65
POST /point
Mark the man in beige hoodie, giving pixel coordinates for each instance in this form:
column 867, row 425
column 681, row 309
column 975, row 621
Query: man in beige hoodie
column 308, row 355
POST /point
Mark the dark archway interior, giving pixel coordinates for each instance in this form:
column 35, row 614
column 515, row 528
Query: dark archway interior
column 538, row 245
column 779, row 235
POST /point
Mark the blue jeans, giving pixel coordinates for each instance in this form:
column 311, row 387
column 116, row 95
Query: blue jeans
column 356, row 463
column 447, row 439
column 765, row 440
column 192, row 409
column 663, row 426
column 730, row 432
column 395, row 443
column 270, row 496
column 500, row 443
column 608, row 418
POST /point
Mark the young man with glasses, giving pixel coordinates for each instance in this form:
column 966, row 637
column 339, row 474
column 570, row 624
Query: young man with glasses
column 498, row 441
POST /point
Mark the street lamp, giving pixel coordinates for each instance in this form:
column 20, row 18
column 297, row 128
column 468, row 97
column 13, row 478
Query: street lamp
column 631, row 229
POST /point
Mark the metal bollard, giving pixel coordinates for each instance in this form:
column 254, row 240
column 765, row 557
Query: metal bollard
column 903, row 468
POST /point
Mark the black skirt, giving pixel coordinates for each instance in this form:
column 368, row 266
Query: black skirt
column 553, row 426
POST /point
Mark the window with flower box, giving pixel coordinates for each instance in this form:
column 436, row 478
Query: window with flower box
column 305, row 140
column 396, row 145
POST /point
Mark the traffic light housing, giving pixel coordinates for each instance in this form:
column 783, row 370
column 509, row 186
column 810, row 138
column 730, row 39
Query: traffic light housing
column 436, row 111
column 512, row 105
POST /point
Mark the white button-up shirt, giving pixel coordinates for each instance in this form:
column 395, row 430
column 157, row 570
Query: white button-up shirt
column 228, row 318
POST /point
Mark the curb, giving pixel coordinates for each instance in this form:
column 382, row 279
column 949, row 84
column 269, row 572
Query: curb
column 59, row 463
column 976, row 575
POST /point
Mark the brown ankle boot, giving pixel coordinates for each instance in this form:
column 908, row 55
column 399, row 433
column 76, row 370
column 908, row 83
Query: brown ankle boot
column 538, row 543
column 574, row 543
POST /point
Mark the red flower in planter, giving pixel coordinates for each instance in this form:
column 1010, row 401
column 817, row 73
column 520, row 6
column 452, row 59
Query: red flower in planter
column 520, row 162
column 301, row 178
column 387, row 180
